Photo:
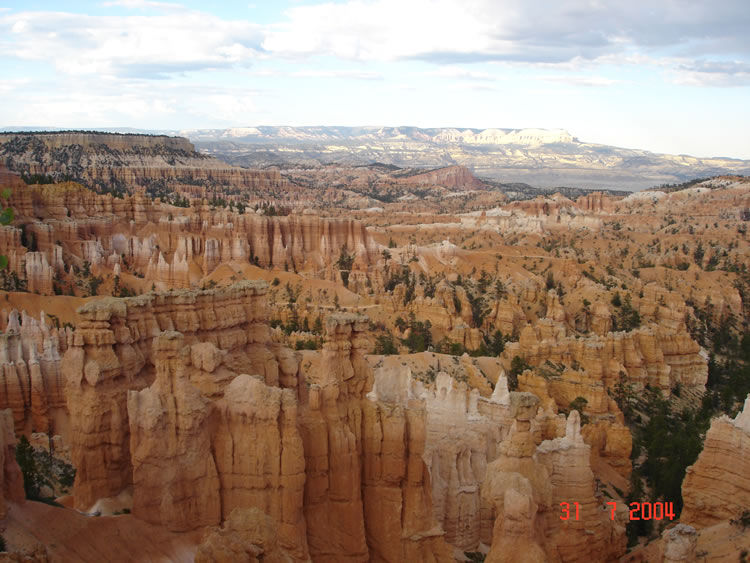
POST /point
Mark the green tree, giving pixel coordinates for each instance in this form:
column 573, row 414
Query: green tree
column 497, row 344
column 25, row 459
column 385, row 345
column 6, row 218
column 517, row 366
column 579, row 404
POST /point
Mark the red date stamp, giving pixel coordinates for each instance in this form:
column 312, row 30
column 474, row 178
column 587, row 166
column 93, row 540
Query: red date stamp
column 638, row 510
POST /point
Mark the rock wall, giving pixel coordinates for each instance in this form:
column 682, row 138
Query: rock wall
column 55, row 140
column 717, row 485
column 196, row 460
column 525, row 486
column 172, row 246
column 462, row 432
column 11, row 479
column 651, row 355
column 183, row 399
column 31, row 380
column 368, row 493
column 457, row 177
column 111, row 354
column 117, row 161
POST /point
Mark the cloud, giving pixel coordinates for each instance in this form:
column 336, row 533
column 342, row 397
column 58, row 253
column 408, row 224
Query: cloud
column 713, row 73
column 352, row 74
column 123, row 102
column 143, row 4
column 458, row 73
column 12, row 84
column 529, row 31
column 153, row 46
column 577, row 80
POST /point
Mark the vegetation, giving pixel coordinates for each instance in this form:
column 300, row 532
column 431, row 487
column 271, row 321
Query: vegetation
column 517, row 366
column 6, row 218
column 420, row 335
column 32, row 481
column 627, row 317
column 385, row 345
column 579, row 404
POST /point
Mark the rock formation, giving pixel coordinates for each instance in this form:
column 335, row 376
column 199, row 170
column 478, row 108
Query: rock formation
column 248, row 535
column 127, row 161
column 717, row 485
column 527, row 486
column 653, row 355
column 158, row 403
column 171, row 246
column 456, row 177
column 11, row 479
column 462, row 434
column 31, row 380
column 679, row 544
column 112, row 354
column 241, row 450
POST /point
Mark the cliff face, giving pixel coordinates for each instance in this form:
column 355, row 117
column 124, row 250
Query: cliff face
column 31, row 380
column 55, row 140
column 171, row 246
column 652, row 355
column 11, row 479
column 455, row 177
column 159, row 404
column 717, row 485
column 182, row 402
column 125, row 162
column 525, row 486
column 111, row 354
column 462, row 432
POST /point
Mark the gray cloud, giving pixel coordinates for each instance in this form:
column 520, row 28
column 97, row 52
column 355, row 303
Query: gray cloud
column 713, row 73
column 164, row 40
column 514, row 31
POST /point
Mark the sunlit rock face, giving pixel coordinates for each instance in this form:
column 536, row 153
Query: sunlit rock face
column 717, row 485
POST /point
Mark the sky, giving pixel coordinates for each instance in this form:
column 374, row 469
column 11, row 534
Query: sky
column 670, row 76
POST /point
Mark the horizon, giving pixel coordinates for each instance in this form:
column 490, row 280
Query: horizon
column 670, row 79
column 126, row 130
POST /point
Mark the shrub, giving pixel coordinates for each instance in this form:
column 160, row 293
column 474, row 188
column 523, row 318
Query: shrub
column 385, row 345
column 25, row 459
column 517, row 366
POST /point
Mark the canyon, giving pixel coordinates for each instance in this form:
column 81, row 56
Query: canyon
column 347, row 363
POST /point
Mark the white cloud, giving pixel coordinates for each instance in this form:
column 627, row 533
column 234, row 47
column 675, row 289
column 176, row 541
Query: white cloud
column 381, row 30
column 712, row 73
column 128, row 102
column 529, row 31
column 353, row 74
column 153, row 46
column 8, row 85
column 143, row 4
column 577, row 80
column 458, row 73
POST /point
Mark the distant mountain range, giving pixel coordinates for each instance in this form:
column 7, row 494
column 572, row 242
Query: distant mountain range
column 540, row 157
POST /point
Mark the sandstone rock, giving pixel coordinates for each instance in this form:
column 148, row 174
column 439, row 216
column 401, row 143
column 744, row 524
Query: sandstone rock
column 457, row 177
column 717, row 485
column 175, row 479
column 654, row 355
column 30, row 374
column 112, row 355
column 11, row 479
column 332, row 436
column 526, row 487
column 135, row 233
column 247, row 536
column 679, row 544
